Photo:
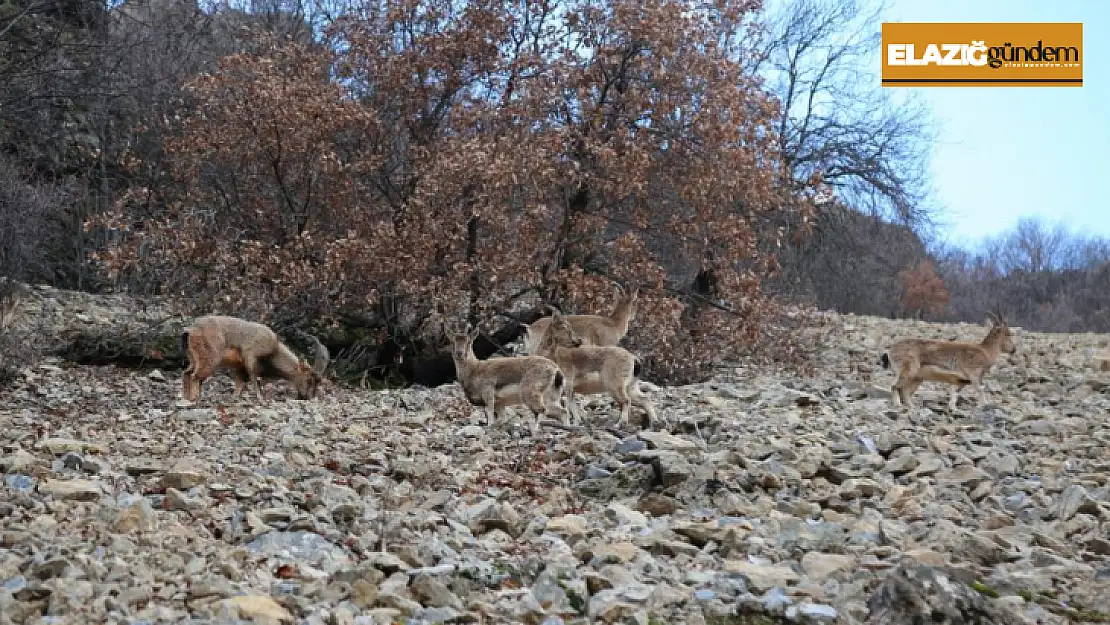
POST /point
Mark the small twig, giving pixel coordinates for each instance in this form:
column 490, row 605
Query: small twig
column 614, row 431
column 551, row 423
column 697, row 430
column 500, row 348
column 509, row 317
column 16, row 19
column 385, row 499
column 683, row 292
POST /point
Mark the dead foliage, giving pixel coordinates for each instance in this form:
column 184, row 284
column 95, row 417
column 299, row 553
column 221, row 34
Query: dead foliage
column 441, row 160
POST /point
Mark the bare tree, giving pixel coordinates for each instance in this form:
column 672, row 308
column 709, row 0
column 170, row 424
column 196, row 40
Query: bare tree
column 35, row 219
column 1034, row 246
column 1045, row 276
column 837, row 127
column 837, row 123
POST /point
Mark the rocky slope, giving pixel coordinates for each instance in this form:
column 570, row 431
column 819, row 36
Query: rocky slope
column 766, row 498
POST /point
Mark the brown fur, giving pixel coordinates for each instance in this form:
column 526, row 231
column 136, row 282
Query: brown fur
column 251, row 351
column 959, row 364
column 591, row 369
column 596, row 330
column 496, row 383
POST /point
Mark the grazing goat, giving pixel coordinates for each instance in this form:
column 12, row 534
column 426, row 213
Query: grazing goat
column 591, row 369
column 493, row 384
column 593, row 329
column 957, row 363
column 251, row 350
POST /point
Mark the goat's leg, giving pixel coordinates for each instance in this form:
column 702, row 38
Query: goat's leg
column 241, row 380
column 902, row 384
column 537, row 408
column 896, row 391
column 572, row 405
column 553, row 408
column 187, row 385
column 198, row 385
column 620, row 395
column 492, row 410
column 564, row 409
column 187, row 377
column 905, row 371
column 253, row 368
column 642, row 402
column 908, row 390
column 192, row 382
column 537, row 416
column 958, row 388
column 551, row 395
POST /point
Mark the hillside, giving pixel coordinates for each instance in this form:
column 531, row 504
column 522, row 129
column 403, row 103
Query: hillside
column 790, row 499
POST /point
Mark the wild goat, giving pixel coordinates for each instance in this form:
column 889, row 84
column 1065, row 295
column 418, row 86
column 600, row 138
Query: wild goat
column 591, row 369
column 251, row 350
column 957, row 363
column 493, row 384
column 592, row 329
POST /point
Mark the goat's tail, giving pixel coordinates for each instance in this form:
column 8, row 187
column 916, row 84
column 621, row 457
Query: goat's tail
column 559, row 380
column 885, row 361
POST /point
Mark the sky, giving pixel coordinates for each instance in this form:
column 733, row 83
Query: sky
column 1006, row 153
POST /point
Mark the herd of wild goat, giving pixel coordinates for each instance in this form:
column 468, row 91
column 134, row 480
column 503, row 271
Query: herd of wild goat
column 564, row 354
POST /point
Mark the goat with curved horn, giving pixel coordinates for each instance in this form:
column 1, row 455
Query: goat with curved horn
column 959, row 364
column 602, row 331
column 501, row 382
column 590, row 369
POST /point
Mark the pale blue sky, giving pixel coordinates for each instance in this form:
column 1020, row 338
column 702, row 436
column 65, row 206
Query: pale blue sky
column 1005, row 153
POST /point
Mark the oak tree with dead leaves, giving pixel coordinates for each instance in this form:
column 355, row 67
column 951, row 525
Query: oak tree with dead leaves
column 435, row 159
column 923, row 290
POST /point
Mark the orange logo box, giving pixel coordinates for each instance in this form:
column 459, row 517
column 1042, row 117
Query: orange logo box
column 987, row 54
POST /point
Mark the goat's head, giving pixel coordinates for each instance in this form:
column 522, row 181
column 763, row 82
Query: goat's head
column 462, row 341
column 1001, row 333
column 627, row 294
column 307, row 379
column 560, row 333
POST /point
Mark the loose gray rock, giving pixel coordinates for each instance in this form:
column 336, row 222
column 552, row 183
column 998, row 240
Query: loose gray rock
column 805, row 499
column 913, row 593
